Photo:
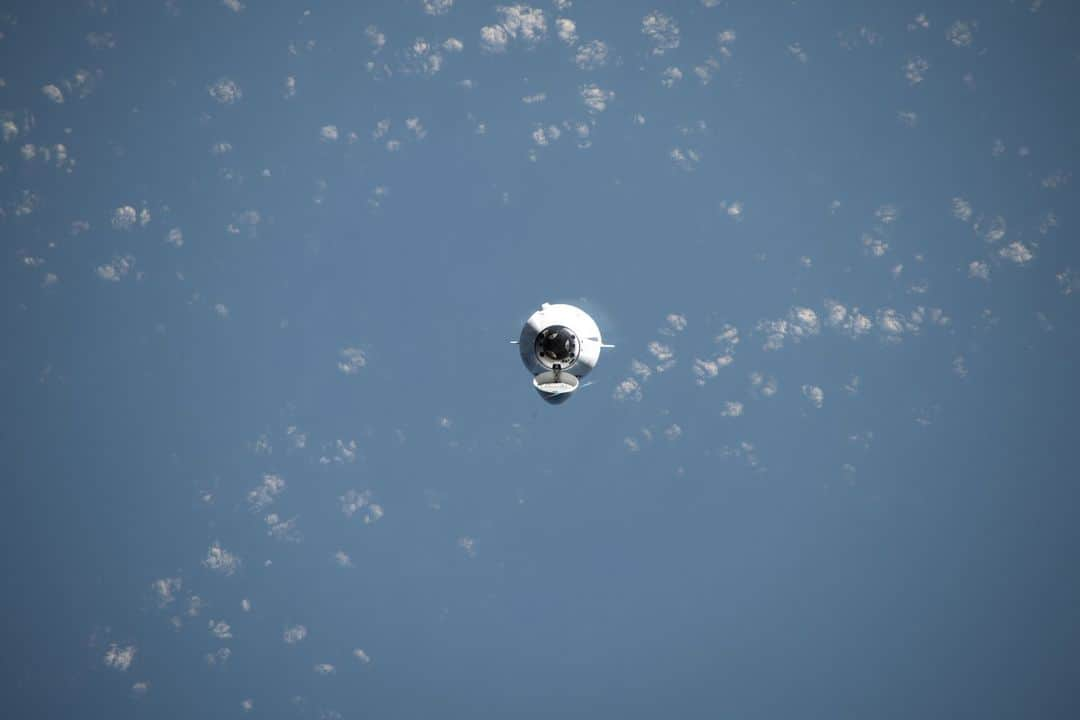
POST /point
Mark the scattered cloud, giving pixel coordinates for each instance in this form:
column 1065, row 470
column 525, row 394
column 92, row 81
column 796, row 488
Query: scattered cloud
column 814, row 394
column 354, row 502
column 117, row 269
column 567, row 30
column 53, row 93
column 225, row 91
column 119, row 657
column 800, row 323
column 915, row 70
column 592, row 55
column 293, row 635
column 221, row 560
column 351, row 360
column 362, row 656
column 596, row 98
column 662, row 31
column 437, row 7
column 1017, row 252
column 732, row 408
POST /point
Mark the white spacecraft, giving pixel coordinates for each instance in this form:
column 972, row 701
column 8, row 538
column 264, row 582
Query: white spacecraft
column 559, row 345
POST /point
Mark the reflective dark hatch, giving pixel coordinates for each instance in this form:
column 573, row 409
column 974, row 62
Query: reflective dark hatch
column 557, row 345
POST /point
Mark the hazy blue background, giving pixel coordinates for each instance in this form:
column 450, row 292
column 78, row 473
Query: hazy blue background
column 226, row 280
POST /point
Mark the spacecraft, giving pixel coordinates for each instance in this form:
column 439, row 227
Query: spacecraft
column 559, row 345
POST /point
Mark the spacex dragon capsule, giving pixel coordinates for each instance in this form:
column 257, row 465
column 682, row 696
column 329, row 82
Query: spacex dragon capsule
column 559, row 345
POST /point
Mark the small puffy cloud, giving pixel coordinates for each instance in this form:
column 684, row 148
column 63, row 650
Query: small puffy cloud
column 353, row 502
column 282, row 530
column 523, row 22
column 225, row 91
column 119, row 657
column 592, row 55
column 262, row 495
column 468, row 546
column 762, row 385
column 221, row 560
column 175, row 237
column 329, row 133
column 247, row 705
column 671, row 76
column 117, row 269
column 850, row 322
column 534, row 98
column 545, row 136
column 494, row 38
column 361, row 656
column 342, row 559
column 673, row 431
column 801, row 323
column 907, row 118
column 53, row 93
column 796, row 51
column 596, row 98
column 962, row 33
column 124, row 218
column 140, row 689
column 376, row 38
column 732, row 408
column 664, row 355
column 165, row 590
column 453, row 45
column 437, row 7
column 324, row 669
column 662, row 31
column 234, row 5
column 220, row 657
column 814, row 394
column 566, row 30
column 628, row 389
column 351, row 360
column 1068, row 281
column 887, row 214
column 220, row 629
column 961, row 209
column 685, row 158
column 676, row 323
column 915, row 70
column 1017, row 252
column 979, row 270
column 294, row 634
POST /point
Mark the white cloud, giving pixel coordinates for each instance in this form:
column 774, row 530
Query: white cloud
column 124, row 218
column 523, row 22
column 592, row 55
column 595, row 98
column 324, row 669
column 271, row 486
column 764, row 386
column 992, row 229
column 1017, row 252
column 225, row 91
column 361, row 656
column 119, row 657
column 219, row 657
column 353, row 502
column 234, row 5
column 662, row 31
column 453, row 45
column 494, row 38
column 352, row 360
column 294, row 634
column 686, row 159
column 140, row 689
column 53, row 93
column 628, row 389
column 247, row 705
column 961, row 33
column 915, row 70
column 1069, row 281
column 814, row 394
column 342, row 559
column 919, row 23
column 801, row 322
column 220, row 629
column 979, row 270
column 117, row 269
column 437, row 7
column 671, row 76
column 468, row 545
column 375, row 37
column 567, row 30
column 961, row 209
column 852, row 323
column 221, row 560
column 534, row 98
column 887, row 214
column 328, row 133
column 165, row 590
column 796, row 51
column 282, row 530
column 732, row 408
